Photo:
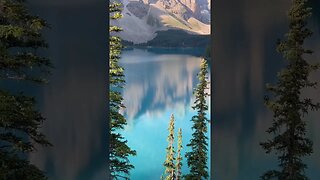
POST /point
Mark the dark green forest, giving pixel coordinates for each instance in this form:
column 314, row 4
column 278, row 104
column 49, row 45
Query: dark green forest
column 174, row 38
column 20, row 121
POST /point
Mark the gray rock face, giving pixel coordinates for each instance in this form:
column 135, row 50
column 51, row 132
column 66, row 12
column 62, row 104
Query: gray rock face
column 138, row 8
column 191, row 4
column 144, row 18
column 198, row 9
column 177, row 8
column 202, row 11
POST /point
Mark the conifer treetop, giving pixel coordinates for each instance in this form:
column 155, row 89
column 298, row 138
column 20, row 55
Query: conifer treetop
column 289, row 128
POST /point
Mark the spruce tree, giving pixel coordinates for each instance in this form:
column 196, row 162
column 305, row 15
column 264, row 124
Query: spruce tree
column 198, row 157
column 170, row 156
column 119, row 151
column 20, row 37
column 179, row 157
column 289, row 107
column 162, row 177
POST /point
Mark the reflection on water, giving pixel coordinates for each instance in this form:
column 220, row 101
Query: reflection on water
column 244, row 45
column 157, row 84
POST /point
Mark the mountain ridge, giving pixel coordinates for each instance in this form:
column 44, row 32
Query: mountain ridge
column 143, row 19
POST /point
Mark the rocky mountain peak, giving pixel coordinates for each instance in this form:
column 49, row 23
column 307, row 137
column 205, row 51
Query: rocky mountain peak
column 143, row 18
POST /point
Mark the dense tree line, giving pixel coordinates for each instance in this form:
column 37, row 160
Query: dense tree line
column 119, row 151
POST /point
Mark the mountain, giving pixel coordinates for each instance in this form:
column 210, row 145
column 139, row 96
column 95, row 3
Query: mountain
column 143, row 19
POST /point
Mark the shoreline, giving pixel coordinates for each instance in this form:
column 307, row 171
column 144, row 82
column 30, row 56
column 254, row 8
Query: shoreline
column 160, row 47
column 196, row 51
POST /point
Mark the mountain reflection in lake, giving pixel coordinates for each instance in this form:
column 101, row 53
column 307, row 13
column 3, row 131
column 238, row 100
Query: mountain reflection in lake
column 157, row 84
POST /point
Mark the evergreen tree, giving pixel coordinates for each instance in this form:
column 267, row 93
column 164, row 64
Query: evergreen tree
column 162, row 177
column 119, row 151
column 179, row 157
column 198, row 157
column 289, row 128
column 20, row 37
column 169, row 162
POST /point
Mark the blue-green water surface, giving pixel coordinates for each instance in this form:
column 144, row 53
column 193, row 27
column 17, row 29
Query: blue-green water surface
column 159, row 83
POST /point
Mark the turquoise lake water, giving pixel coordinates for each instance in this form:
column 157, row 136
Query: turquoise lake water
column 158, row 83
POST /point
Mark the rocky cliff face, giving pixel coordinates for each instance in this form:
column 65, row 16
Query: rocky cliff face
column 143, row 18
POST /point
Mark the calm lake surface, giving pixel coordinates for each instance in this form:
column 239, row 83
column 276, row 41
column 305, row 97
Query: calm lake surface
column 159, row 82
column 74, row 102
